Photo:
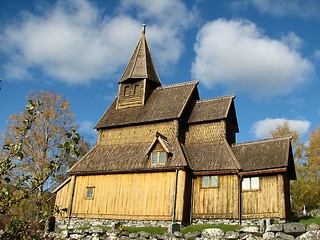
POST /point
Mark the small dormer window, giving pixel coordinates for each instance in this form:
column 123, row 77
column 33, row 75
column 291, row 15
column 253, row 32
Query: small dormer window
column 158, row 157
column 136, row 89
column 127, row 90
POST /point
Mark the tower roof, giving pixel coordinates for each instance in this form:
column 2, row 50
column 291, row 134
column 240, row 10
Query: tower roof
column 141, row 64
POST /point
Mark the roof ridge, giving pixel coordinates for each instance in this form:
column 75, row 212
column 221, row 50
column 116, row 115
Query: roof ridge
column 260, row 140
column 185, row 153
column 216, row 98
column 179, row 84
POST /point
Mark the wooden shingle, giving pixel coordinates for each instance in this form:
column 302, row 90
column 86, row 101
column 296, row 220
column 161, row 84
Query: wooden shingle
column 211, row 109
column 165, row 103
column 125, row 157
column 141, row 65
column 211, row 156
column 265, row 154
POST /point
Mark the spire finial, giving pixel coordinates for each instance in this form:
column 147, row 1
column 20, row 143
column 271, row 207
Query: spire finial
column 144, row 28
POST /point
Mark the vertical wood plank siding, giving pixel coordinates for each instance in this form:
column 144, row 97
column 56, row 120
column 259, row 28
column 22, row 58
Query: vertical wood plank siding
column 63, row 198
column 135, row 196
column 220, row 202
column 267, row 202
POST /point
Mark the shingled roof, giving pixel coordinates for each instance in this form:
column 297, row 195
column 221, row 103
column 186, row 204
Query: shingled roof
column 165, row 103
column 126, row 158
column 265, row 154
column 211, row 109
column 141, row 65
column 211, row 156
column 214, row 109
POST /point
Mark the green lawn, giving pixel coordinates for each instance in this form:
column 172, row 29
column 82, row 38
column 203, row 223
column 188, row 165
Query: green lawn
column 310, row 220
column 201, row 227
column 152, row 230
column 162, row 230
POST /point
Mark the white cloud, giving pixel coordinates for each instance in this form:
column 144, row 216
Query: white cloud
column 317, row 55
column 300, row 8
column 263, row 128
column 73, row 42
column 237, row 54
column 292, row 40
column 87, row 127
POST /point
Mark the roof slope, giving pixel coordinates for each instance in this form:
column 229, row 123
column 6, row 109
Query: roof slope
column 141, row 64
column 125, row 157
column 265, row 154
column 211, row 156
column 211, row 109
column 164, row 103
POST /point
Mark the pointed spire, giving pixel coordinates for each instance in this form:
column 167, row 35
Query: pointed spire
column 141, row 64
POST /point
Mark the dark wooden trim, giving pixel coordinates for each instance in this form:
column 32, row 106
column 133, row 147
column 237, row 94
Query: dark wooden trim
column 264, row 171
column 147, row 170
column 219, row 172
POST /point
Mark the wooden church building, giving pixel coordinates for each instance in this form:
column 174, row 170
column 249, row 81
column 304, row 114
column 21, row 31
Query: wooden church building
column 164, row 154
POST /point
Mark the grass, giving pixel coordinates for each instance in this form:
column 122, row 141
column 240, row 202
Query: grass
column 152, row 230
column 162, row 230
column 201, row 227
column 83, row 228
column 310, row 220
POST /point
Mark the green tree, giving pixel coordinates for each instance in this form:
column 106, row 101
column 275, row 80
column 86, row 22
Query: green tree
column 39, row 144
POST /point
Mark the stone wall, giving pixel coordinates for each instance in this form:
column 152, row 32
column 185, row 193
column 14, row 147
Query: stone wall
column 273, row 231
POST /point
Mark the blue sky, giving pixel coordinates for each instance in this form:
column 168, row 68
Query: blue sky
column 265, row 52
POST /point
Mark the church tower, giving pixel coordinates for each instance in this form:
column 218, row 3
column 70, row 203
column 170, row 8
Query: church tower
column 140, row 77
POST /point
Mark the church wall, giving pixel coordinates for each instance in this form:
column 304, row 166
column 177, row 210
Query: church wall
column 138, row 134
column 206, row 132
column 63, row 198
column 268, row 201
column 135, row 196
column 131, row 94
column 216, row 202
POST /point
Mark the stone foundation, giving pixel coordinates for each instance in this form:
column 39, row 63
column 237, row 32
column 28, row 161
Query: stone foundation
column 93, row 222
column 86, row 222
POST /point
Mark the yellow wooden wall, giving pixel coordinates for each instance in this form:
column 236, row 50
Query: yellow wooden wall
column 149, row 196
column 267, row 202
column 136, row 196
column 63, row 197
column 220, row 202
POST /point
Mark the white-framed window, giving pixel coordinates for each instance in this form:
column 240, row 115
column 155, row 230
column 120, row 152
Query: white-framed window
column 158, row 157
column 90, row 192
column 250, row 183
column 210, row 181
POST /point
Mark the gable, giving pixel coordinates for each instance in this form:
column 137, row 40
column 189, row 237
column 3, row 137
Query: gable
column 160, row 143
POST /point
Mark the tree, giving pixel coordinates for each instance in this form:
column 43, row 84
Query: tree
column 305, row 191
column 313, row 167
column 299, row 149
column 39, row 144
